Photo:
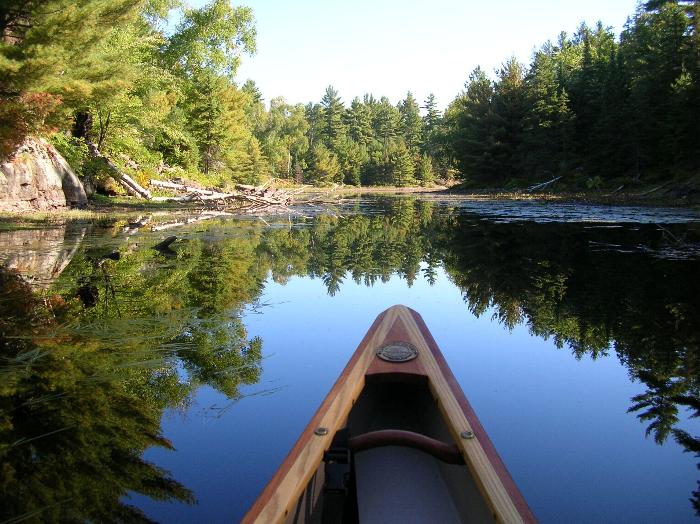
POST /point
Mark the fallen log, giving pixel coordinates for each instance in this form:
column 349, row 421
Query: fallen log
column 128, row 183
column 255, row 196
column 543, row 184
column 186, row 189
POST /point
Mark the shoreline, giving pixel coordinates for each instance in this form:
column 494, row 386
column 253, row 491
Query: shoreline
column 109, row 207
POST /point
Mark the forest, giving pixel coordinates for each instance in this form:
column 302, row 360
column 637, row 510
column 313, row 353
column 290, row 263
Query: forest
column 594, row 108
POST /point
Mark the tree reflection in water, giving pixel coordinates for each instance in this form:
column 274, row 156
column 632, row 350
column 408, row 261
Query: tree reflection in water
column 83, row 388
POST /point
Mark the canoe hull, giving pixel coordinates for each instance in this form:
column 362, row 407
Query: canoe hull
column 298, row 482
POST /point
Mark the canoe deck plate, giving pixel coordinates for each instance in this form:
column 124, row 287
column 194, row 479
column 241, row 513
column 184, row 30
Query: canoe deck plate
column 397, row 352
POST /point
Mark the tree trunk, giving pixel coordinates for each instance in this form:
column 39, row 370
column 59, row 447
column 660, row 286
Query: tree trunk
column 125, row 180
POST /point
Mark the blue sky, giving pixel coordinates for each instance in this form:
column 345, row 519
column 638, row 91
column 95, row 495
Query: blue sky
column 388, row 47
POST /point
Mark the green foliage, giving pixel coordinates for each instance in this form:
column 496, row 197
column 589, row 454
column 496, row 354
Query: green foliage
column 324, row 168
column 47, row 50
column 333, row 109
column 411, row 123
column 387, row 121
column 424, row 171
column 401, row 165
column 431, row 126
column 75, row 152
column 359, row 122
column 212, row 38
column 470, row 121
column 588, row 105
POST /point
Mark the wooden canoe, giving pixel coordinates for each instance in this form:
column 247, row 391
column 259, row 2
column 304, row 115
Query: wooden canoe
column 398, row 431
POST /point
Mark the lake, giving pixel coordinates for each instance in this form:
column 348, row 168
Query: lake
column 168, row 384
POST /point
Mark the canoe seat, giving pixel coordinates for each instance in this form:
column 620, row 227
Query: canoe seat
column 401, row 485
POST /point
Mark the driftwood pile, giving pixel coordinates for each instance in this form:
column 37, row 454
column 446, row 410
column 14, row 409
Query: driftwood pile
column 245, row 196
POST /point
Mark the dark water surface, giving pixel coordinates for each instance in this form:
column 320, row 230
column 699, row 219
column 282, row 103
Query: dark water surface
column 168, row 385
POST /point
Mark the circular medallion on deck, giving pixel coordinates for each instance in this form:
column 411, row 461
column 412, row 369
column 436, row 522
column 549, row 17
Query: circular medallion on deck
column 397, row 352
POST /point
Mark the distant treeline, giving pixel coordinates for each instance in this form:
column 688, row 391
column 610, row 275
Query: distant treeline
column 589, row 108
column 589, row 105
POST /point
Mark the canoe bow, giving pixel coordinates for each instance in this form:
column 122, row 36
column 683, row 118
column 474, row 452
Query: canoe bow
column 396, row 324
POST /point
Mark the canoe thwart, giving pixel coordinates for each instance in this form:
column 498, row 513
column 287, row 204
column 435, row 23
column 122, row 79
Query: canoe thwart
column 448, row 453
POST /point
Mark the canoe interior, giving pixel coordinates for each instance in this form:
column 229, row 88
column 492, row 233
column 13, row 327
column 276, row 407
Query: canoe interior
column 398, row 484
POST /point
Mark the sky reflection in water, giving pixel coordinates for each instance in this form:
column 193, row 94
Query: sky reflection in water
column 557, row 416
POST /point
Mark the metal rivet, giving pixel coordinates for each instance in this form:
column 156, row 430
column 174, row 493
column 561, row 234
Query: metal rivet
column 466, row 435
column 321, row 431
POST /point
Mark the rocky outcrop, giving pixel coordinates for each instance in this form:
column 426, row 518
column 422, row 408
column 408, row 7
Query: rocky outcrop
column 38, row 177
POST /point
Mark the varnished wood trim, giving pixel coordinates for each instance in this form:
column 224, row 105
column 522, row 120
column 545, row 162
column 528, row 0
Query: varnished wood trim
column 512, row 493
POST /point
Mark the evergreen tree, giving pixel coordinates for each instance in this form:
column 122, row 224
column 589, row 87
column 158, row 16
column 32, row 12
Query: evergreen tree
column 548, row 126
column 358, row 119
column 660, row 53
column 351, row 157
column 509, row 110
column 46, row 50
column 217, row 122
column 431, row 121
column 254, row 108
column 254, row 166
column 314, row 117
column 387, row 121
column 471, row 127
column 424, row 172
column 411, row 122
column 333, row 111
column 401, row 165
column 207, row 114
column 324, row 168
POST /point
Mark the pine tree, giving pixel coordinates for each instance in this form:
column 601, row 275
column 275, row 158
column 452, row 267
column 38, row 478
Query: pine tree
column 314, row 117
column 46, row 50
column 333, row 111
column 470, row 124
column 324, row 168
column 509, row 110
column 255, row 165
column 218, row 124
column 424, row 172
column 387, row 121
column 402, row 166
column 411, row 122
column 207, row 114
column 548, row 125
column 431, row 121
column 358, row 119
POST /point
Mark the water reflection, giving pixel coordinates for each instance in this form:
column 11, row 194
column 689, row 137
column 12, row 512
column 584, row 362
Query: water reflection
column 85, row 380
column 84, row 383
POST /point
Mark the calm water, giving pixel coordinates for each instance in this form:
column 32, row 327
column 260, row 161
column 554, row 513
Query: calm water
column 168, row 385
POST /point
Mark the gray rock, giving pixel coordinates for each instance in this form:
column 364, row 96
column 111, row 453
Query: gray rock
column 37, row 177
